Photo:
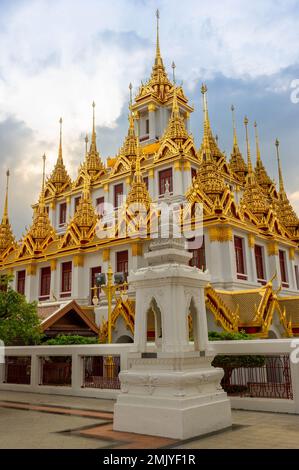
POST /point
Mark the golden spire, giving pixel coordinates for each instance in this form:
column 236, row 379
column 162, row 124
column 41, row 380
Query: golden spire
column 59, row 179
column 60, row 140
column 6, row 235
column 258, row 153
column 5, row 212
column 93, row 164
column 41, row 227
column 93, row 135
column 235, row 144
column 158, row 59
column 281, row 185
column 249, row 164
column 173, row 66
column 176, row 129
column 206, row 149
column 129, row 147
column 138, row 193
column 85, row 216
column 285, row 211
column 237, row 164
column 86, row 144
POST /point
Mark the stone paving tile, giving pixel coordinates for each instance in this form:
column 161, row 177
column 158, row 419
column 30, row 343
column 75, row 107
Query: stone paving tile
column 127, row 440
column 24, row 429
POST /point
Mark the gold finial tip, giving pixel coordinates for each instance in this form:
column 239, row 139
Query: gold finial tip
column 157, row 14
column 60, row 120
column 255, row 124
column 93, row 104
column 232, row 107
column 86, row 138
column 7, row 173
column 130, row 86
column 173, row 64
column 204, row 88
column 277, row 143
column 246, row 120
column 44, row 157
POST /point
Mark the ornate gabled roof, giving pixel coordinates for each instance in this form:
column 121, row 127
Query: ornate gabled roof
column 138, row 193
column 209, row 146
column 237, row 163
column 82, row 227
column 284, row 209
column 7, row 238
column 253, row 197
column 159, row 84
column 261, row 174
column 41, row 231
column 59, row 181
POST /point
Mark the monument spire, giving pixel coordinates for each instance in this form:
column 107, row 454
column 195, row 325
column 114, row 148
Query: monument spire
column 249, row 164
column 281, row 185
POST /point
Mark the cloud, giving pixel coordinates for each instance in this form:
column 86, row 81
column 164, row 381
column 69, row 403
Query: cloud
column 57, row 56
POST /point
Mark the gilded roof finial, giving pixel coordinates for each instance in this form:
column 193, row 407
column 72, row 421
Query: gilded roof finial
column 86, row 144
column 249, row 164
column 158, row 53
column 206, row 141
column 93, row 137
column 258, row 153
column 281, row 185
column 131, row 97
column 44, row 174
column 235, row 144
column 60, row 141
column 5, row 213
column 173, row 66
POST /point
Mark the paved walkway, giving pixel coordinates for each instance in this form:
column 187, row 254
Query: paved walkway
column 55, row 422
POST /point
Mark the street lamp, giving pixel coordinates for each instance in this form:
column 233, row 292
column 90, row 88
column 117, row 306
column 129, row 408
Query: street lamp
column 106, row 284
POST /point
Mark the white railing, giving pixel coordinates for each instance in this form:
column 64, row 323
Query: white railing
column 77, row 386
column 275, row 347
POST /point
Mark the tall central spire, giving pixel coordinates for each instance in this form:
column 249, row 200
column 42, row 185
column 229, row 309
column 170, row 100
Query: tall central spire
column 249, row 164
column 281, row 185
column 206, row 149
column 158, row 59
column 5, row 212
column 258, row 153
column 235, row 138
column 93, row 146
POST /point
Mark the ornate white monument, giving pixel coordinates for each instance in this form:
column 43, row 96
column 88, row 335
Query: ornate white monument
column 171, row 389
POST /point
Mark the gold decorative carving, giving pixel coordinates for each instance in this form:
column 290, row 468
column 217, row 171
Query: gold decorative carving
column 272, row 249
column 106, row 254
column 292, row 254
column 53, row 264
column 187, row 166
column 151, row 173
column 151, row 108
column 251, row 240
column 31, row 270
column 137, row 249
column 78, row 261
column 220, row 234
column 177, row 166
column 106, row 187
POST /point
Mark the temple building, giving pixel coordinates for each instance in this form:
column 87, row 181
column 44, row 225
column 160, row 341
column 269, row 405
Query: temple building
column 250, row 230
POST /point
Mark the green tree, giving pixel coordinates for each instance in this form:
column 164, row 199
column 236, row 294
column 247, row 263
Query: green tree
column 19, row 322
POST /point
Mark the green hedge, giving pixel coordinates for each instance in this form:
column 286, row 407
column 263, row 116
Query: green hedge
column 238, row 361
column 64, row 340
column 225, row 336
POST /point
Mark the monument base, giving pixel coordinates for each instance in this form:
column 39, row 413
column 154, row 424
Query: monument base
column 173, row 397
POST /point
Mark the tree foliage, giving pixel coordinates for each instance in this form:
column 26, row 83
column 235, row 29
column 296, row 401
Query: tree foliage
column 19, row 322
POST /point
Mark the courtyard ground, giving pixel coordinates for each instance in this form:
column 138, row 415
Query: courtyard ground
column 58, row 422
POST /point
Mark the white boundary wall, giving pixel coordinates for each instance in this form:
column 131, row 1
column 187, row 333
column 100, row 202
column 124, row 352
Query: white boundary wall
column 263, row 347
column 77, row 353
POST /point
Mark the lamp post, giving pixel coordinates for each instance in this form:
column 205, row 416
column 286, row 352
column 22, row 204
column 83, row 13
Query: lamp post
column 110, row 284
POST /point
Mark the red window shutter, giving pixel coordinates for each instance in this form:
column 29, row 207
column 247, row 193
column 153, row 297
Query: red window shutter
column 259, row 262
column 62, row 213
column 66, row 279
column 165, row 176
column 240, row 265
column 100, row 205
column 199, row 256
column 21, row 277
column 45, row 283
column 283, row 270
column 122, row 258
column 118, row 192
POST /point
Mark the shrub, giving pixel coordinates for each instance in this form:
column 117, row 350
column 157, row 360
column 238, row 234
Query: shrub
column 64, row 340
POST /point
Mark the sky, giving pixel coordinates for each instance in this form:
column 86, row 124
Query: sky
column 57, row 56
